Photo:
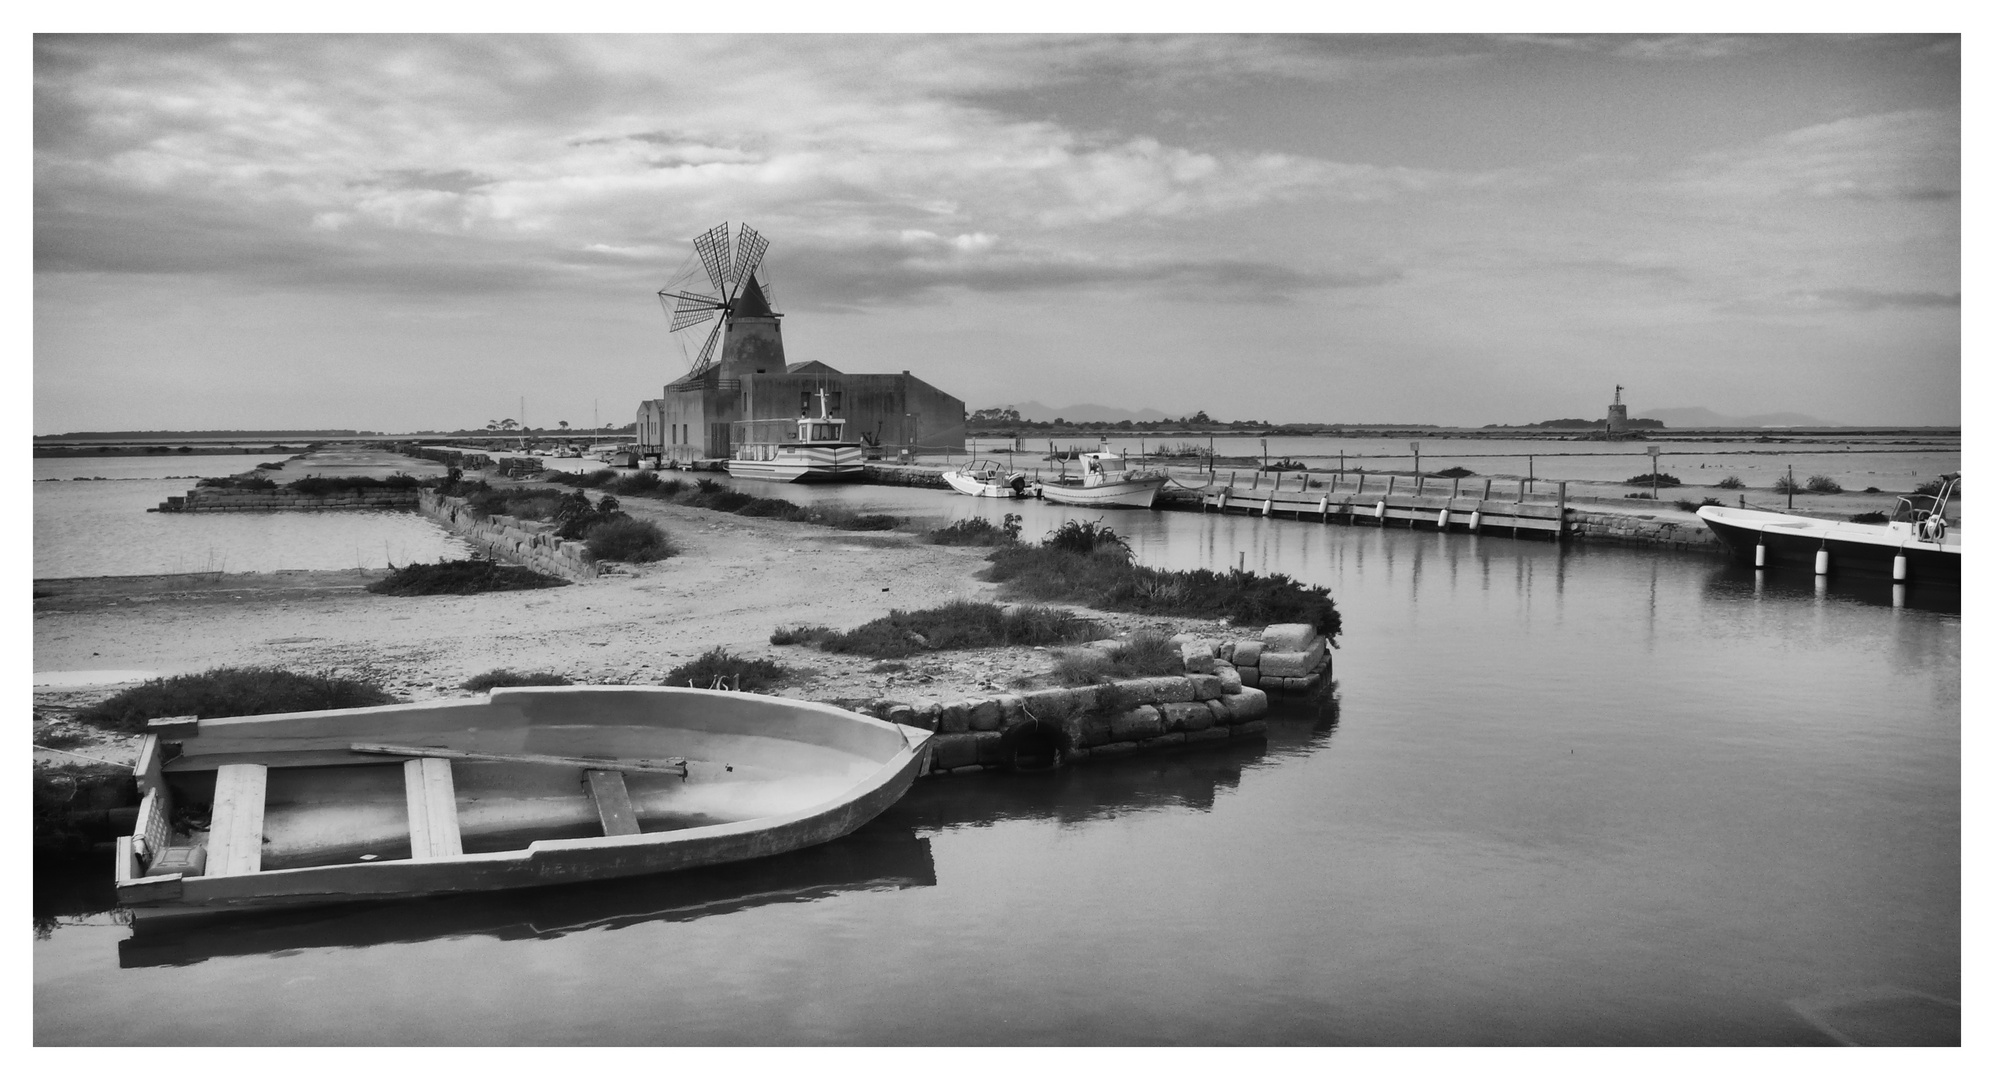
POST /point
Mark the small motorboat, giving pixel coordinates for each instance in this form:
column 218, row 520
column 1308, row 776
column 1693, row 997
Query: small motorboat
column 1917, row 544
column 527, row 786
column 987, row 479
column 1105, row 480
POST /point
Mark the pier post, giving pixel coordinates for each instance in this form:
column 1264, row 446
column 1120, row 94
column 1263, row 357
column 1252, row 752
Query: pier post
column 1561, row 509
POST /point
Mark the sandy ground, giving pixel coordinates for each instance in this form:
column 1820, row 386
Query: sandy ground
column 735, row 582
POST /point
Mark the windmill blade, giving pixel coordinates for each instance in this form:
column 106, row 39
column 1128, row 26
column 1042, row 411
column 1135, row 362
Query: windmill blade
column 692, row 309
column 747, row 256
column 705, row 359
column 712, row 248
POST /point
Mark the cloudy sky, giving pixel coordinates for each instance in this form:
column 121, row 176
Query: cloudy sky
column 395, row 233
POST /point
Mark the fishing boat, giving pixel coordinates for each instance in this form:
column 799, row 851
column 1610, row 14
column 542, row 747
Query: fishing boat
column 987, row 479
column 1105, row 480
column 1917, row 544
column 527, row 786
column 803, row 450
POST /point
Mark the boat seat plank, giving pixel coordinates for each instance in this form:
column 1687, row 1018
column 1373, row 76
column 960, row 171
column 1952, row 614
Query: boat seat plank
column 432, row 809
column 672, row 765
column 612, row 802
column 235, row 831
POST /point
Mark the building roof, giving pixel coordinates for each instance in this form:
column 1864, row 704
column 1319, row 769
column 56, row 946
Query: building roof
column 812, row 367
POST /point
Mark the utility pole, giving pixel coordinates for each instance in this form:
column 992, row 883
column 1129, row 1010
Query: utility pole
column 1789, row 487
column 1654, row 467
column 1415, row 457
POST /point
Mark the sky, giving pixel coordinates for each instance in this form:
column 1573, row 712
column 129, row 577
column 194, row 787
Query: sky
column 398, row 233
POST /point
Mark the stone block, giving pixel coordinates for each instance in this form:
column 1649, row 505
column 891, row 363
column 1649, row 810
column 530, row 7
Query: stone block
column 1252, row 729
column 1048, row 705
column 897, row 713
column 1246, row 654
column 1292, row 664
column 1249, row 704
column 985, row 715
column 989, row 747
column 1210, row 734
column 952, row 751
column 1249, row 676
column 955, row 716
column 1162, row 742
column 1229, row 680
column 1225, row 652
column 1198, row 657
column 1206, row 687
column 1185, row 716
column 1157, row 689
column 1141, row 722
column 1012, row 707
column 1114, row 749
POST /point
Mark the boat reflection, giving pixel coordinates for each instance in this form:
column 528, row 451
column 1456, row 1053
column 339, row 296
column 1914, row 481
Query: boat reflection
column 1736, row 580
column 880, row 856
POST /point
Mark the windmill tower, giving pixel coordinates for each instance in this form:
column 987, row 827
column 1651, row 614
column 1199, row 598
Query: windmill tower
column 1616, row 414
column 748, row 330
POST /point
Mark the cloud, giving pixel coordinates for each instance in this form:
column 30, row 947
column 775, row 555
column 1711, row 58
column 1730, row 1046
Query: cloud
column 1911, row 155
column 1853, row 299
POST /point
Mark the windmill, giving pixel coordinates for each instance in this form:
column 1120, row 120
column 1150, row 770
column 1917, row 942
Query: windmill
column 736, row 294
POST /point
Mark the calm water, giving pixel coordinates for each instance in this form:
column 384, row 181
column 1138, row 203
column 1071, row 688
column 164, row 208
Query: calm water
column 1568, row 796
column 90, row 520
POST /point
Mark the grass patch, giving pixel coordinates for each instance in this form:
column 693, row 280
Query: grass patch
column 718, row 669
column 1147, row 652
column 508, row 677
column 626, row 539
column 959, row 624
column 230, row 691
column 238, row 483
column 977, row 532
column 326, row 485
column 1104, row 576
column 461, row 577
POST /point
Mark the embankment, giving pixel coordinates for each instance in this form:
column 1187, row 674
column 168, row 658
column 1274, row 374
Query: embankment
column 531, row 544
column 210, row 500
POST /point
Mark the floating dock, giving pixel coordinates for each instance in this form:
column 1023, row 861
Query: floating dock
column 1521, row 507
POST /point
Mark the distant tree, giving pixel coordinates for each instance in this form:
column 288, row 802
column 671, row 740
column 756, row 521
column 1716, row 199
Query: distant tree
column 1198, row 417
column 564, row 425
column 508, row 424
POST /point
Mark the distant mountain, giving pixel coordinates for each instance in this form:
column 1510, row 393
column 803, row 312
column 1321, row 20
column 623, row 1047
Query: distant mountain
column 1699, row 417
column 1080, row 414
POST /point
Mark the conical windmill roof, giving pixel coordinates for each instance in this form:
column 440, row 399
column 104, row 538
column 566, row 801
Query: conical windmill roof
column 751, row 304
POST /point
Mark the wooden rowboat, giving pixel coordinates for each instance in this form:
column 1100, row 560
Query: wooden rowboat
column 528, row 786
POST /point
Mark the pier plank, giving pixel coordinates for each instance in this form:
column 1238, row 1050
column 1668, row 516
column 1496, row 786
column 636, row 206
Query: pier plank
column 235, row 831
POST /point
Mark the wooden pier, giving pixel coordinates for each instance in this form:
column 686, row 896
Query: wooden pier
column 1520, row 507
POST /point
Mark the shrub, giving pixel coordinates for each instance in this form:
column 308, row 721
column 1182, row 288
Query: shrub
column 782, row 509
column 708, row 486
column 1933, row 487
column 977, row 532
column 326, row 485
column 1693, row 506
column 718, row 669
column 1286, row 464
column 867, row 523
column 1086, row 538
column 1823, row 485
column 1872, row 491
column 1786, row 486
column 1656, row 479
column 644, row 483
column 808, row 634
column 1107, row 579
column 509, row 677
column 1873, row 517
column 626, row 539
column 1147, row 652
column 230, row 691
column 1453, row 472
column 1730, row 483
column 526, row 504
column 247, row 483
column 959, row 624
column 461, row 577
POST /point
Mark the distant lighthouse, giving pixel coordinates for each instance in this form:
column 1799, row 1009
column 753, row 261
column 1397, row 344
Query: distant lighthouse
column 1616, row 414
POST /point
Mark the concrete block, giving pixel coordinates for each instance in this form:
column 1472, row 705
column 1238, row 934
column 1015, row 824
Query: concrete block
column 985, row 715
column 953, row 751
column 1198, row 657
column 1162, row 742
column 1141, row 722
column 1206, row 687
column 1246, row 654
column 1249, row 676
column 1185, row 716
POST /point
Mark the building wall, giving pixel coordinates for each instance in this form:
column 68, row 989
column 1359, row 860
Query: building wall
column 894, row 410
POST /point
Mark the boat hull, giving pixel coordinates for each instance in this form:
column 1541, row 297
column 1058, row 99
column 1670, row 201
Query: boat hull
column 1793, row 541
column 982, row 489
column 763, row 776
column 1138, row 494
column 807, row 465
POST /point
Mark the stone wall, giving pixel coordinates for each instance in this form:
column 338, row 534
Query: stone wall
column 1647, row 530
column 1287, row 658
column 531, row 544
column 208, row 500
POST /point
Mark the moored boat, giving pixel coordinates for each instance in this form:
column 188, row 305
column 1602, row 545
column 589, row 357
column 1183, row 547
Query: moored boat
column 1917, row 545
column 528, row 786
column 987, row 479
column 1105, row 480
column 803, row 450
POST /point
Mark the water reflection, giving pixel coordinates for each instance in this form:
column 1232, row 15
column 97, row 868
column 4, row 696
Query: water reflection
column 1732, row 581
column 884, row 855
